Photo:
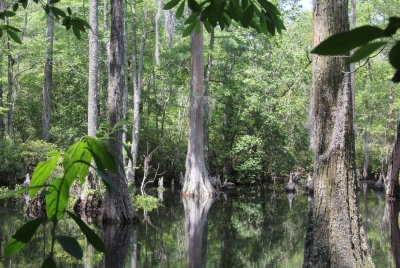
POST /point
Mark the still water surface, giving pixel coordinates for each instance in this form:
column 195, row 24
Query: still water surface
column 258, row 226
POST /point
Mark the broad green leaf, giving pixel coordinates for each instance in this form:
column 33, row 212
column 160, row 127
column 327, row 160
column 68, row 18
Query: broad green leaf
column 197, row 27
column 8, row 13
column 191, row 18
column 14, row 36
column 179, row 11
column 394, row 24
column 42, row 172
column 205, row 13
column 188, row 30
column 207, row 26
column 24, row 3
column 109, row 184
column 394, row 56
column 102, row 157
column 234, row 12
column 128, row 151
column 247, row 16
column 263, row 23
column 90, row 235
column 58, row 12
column 84, row 23
column 49, row 263
column 57, row 199
column 77, row 32
column 270, row 24
column 269, row 7
column 74, row 170
column 194, row 6
column 21, row 237
column 23, row 190
column 171, row 4
column 396, row 77
column 71, row 246
column 365, row 51
column 12, row 28
column 245, row 4
column 15, row 7
column 344, row 42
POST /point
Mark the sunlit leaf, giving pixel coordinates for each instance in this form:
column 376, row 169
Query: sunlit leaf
column 102, row 157
column 90, row 235
column 14, row 36
column 57, row 199
column 75, row 170
column 344, row 42
column 71, row 246
column 365, row 51
column 42, row 172
column 109, row 184
column 21, row 237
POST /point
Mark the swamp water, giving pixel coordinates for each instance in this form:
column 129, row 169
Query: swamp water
column 258, row 226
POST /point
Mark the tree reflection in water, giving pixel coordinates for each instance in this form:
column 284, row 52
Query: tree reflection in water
column 394, row 209
column 196, row 211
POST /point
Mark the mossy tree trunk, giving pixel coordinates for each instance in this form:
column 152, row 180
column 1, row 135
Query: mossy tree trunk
column 335, row 237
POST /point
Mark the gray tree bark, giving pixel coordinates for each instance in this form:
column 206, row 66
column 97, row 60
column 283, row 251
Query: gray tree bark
column 2, row 119
column 196, row 182
column 117, row 206
column 335, row 237
column 48, row 76
column 93, row 69
column 137, row 71
column 393, row 187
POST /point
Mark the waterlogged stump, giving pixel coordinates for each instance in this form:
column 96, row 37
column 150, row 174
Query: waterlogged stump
column 196, row 211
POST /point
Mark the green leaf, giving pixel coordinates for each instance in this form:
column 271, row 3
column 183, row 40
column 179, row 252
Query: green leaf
column 24, row 3
column 234, row 13
column 194, row 6
column 14, row 36
column 191, row 18
column 344, row 42
column 71, row 246
column 396, row 77
column 21, row 237
column 205, row 13
column 197, row 27
column 365, row 51
column 42, row 172
column 128, row 151
column 57, row 199
column 15, row 7
column 8, row 14
column 12, row 28
column 77, row 32
column 207, row 26
column 74, row 170
column 394, row 56
column 245, row 4
column 69, row 11
column 90, row 235
column 49, row 263
column 394, row 24
column 47, row 9
column 270, row 24
column 84, row 23
column 269, row 7
column 179, row 11
column 23, row 190
column 58, row 12
column 188, row 30
column 102, row 157
column 171, row 4
column 109, row 184
column 54, row 1
column 263, row 23
column 247, row 16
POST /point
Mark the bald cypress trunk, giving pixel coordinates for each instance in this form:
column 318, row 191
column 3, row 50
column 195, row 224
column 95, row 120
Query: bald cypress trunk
column 196, row 182
column 117, row 206
column 393, row 187
column 335, row 237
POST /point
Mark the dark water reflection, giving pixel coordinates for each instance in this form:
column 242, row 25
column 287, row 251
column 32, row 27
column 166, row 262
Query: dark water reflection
column 245, row 227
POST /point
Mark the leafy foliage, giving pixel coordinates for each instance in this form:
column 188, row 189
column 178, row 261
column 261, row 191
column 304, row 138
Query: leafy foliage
column 75, row 167
column 360, row 37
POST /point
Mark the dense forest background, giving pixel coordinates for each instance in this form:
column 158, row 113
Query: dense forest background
column 259, row 93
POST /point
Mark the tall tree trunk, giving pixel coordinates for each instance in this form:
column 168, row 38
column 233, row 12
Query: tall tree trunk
column 2, row 119
column 137, row 70
column 93, row 69
column 366, row 154
column 103, row 93
column 48, row 76
column 158, row 16
column 206, row 111
column 335, row 237
column 117, row 205
column 393, row 187
column 10, row 113
column 352, row 65
column 196, row 182
column 126, row 79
